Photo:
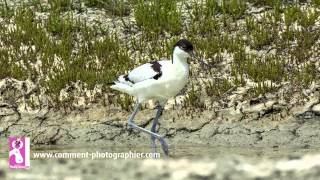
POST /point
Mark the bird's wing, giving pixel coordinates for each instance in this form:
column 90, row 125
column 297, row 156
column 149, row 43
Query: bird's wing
column 151, row 70
column 146, row 71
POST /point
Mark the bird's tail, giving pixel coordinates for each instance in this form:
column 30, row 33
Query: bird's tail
column 124, row 79
column 122, row 87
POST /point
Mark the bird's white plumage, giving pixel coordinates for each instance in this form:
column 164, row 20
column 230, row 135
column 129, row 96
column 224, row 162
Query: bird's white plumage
column 141, row 81
column 143, row 72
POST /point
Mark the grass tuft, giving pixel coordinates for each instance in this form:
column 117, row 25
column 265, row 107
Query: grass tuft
column 158, row 16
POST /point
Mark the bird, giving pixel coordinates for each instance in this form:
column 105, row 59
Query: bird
column 159, row 81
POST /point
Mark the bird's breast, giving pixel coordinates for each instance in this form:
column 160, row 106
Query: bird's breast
column 174, row 80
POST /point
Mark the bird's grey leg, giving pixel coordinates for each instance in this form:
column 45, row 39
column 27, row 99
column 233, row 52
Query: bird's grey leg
column 154, row 126
column 135, row 111
column 133, row 125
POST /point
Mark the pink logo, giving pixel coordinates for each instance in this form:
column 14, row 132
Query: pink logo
column 19, row 152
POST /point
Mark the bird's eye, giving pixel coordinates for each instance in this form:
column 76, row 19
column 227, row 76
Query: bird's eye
column 183, row 47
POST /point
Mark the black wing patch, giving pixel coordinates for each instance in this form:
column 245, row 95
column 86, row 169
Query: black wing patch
column 157, row 76
column 156, row 66
column 126, row 77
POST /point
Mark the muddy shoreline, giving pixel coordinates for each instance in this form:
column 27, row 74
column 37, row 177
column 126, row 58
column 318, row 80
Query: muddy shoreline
column 100, row 126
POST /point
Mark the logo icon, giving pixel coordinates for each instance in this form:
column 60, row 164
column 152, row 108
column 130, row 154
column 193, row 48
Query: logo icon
column 19, row 152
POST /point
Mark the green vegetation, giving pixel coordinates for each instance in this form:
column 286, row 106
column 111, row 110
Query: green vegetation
column 68, row 49
column 218, row 87
column 268, row 3
column 117, row 8
column 158, row 16
column 193, row 98
column 268, row 48
column 234, row 8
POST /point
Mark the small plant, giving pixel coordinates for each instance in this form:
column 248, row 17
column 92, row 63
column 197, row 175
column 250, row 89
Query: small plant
column 291, row 15
column 305, row 40
column 58, row 25
column 211, row 8
column 270, row 3
column 5, row 10
column 262, row 88
column 304, row 77
column 262, row 35
column 288, row 35
column 238, row 78
column 158, row 16
column 258, row 69
column 9, row 70
column 125, row 101
column 117, row 8
column 270, row 68
column 218, row 87
column 60, row 5
column 308, row 18
column 235, row 8
column 250, row 23
column 193, row 98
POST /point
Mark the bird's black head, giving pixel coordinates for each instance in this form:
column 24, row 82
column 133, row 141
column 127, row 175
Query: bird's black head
column 183, row 49
column 184, row 45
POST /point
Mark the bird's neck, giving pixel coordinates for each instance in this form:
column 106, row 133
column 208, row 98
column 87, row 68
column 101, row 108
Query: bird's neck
column 180, row 61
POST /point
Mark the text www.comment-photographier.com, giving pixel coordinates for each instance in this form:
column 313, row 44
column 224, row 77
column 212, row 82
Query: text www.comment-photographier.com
column 95, row 155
